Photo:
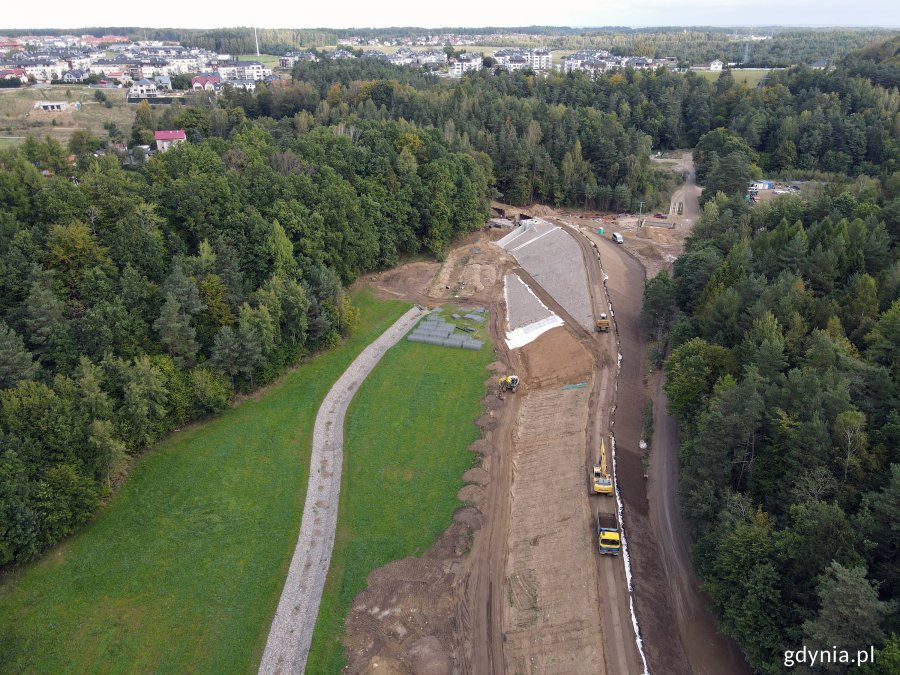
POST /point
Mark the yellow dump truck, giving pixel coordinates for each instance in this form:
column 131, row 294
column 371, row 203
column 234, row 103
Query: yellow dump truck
column 601, row 481
column 608, row 539
column 603, row 323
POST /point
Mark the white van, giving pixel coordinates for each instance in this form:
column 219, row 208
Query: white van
column 616, row 237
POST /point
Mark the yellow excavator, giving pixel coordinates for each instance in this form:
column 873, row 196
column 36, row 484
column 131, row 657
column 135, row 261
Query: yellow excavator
column 509, row 383
column 601, row 483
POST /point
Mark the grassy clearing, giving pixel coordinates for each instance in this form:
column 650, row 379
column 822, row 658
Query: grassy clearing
column 749, row 77
column 268, row 60
column 407, row 437
column 17, row 117
column 183, row 571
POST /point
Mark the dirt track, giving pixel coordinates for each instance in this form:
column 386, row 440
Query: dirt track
column 709, row 652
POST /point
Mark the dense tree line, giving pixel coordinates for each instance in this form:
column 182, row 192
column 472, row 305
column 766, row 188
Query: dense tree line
column 879, row 62
column 785, row 378
column 784, row 375
column 133, row 301
column 562, row 140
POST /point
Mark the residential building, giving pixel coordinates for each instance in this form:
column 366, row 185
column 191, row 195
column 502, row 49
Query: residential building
column 338, row 54
column 13, row 73
column 143, row 88
column 246, row 85
column 541, row 59
column 466, row 62
column 292, row 58
column 716, row 66
column 169, row 138
column 241, row 70
column 206, row 81
column 76, row 76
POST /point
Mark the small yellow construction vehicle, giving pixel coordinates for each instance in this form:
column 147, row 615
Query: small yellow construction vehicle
column 509, row 383
column 603, row 323
column 601, row 483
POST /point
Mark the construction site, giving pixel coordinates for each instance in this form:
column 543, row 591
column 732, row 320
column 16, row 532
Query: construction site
column 567, row 557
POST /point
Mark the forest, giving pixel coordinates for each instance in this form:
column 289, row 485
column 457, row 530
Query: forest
column 784, row 375
column 135, row 301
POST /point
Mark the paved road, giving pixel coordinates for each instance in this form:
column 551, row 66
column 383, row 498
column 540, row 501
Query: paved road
column 291, row 633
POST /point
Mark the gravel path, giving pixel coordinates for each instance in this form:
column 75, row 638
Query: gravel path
column 291, row 633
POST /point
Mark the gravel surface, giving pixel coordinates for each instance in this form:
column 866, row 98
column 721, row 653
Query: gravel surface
column 291, row 633
column 522, row 306
column 554, row 259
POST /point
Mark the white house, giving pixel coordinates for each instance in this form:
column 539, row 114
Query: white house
column 291, row 58
column 207, row 81
column 541, row 59
column 143, row 88
column 716, row 65
column 516, row 62
column 243, row 70
column 246, row 85
column 169, row 138
column 46, row 70
column 75, row 76
column 466, row 62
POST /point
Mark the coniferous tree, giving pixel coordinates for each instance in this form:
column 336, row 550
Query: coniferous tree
column 16, row 363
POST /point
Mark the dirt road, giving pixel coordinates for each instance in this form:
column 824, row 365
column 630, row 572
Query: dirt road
column 612, row 602
column 687, row 195
column 709, row 652
column 666, row 587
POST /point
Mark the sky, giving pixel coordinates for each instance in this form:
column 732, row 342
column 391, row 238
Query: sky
column 429, row 13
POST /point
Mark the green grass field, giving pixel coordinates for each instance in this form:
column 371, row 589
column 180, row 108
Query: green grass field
column 268, row 60
column 749, row 77
column 183, row 570
column 406, row 448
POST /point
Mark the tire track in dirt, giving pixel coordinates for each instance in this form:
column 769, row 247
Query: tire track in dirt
column 481, row 607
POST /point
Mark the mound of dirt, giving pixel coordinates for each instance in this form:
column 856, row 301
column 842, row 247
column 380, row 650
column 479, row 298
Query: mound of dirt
column 556, row 358
column 405, row 619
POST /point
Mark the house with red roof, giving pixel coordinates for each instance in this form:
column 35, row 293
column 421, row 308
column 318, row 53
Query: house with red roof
column 168, row 138
column 10, row 73
column 207, row 82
